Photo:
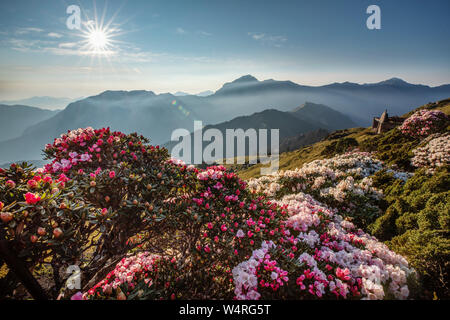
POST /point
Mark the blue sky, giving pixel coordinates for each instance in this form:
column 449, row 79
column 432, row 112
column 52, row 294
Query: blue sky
column 192, row 46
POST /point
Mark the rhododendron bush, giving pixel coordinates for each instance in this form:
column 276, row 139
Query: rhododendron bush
column 341, row 182
column 219, row 228
column 424, row 122
column 123, row 186
column 321, row 256
column 434, row 153
column 248, row 247
column 44, row 217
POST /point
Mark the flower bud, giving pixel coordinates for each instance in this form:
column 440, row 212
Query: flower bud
column 57, row 232
column 6, row 217
column 121, row 296
column 10, row 184
column 41, row 231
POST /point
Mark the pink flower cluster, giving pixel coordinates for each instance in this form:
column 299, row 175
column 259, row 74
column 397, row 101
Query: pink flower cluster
column 81, row 146
column 129, row 271
column 342, row 182
column 423, row 123
column 327, row 257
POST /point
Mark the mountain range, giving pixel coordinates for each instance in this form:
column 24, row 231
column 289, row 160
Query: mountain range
column 157, row 115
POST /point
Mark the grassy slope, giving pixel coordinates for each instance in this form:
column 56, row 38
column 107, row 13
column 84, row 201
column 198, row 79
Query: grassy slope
column 364, row 136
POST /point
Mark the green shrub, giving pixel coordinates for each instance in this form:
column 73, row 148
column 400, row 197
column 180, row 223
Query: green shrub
column 417, row 222
column 392, row 147
column 428, row 251
column 340, row 146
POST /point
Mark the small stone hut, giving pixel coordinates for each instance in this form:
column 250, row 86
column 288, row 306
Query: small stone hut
column 385, row 123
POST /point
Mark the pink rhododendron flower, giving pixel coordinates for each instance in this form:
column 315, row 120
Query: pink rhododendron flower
column 77, row 296
column 31, row 198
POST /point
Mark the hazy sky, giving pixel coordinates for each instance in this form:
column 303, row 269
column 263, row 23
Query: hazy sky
column 192, row 46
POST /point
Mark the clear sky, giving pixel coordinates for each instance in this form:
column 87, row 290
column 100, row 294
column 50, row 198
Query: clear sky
column 197, row 45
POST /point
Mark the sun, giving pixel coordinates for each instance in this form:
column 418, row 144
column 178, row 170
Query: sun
column 98, row 40
column 99, row 37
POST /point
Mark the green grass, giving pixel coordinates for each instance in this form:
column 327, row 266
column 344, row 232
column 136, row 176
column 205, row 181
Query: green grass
column 297, row 158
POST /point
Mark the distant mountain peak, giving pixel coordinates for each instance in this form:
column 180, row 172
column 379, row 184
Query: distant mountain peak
column 240, row 83
column 394, row 81
column 313, row 107
column 111, row 94
column 246, row 78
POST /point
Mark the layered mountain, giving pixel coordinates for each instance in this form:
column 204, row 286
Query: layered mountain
column 359, row 101
column 15, row 119
column 154, row 116
column 304, row 125
column 326, row 117
column 157, row 115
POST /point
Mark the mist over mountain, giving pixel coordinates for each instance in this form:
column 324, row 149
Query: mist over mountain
column 200, row 94
column 156, row 116
column 50, row 103
column 180, row 94
column 15, row 119
column 304, row 125
column 359, row 101
column 205, row 93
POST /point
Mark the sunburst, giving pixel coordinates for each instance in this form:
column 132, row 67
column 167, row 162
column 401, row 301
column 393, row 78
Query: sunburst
column 98, row 39
column 99, row 36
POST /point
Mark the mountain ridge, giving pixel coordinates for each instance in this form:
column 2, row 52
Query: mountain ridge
column 157, row 115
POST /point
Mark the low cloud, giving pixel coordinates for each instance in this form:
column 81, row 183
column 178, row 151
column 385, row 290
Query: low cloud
column 181, row 31
column 268, row 39
column 67, row 45
column 204, row 33
column 54, row 35
column 28, row 30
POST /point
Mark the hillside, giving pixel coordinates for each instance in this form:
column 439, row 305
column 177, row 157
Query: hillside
column 16, row 118
column 365, row 138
